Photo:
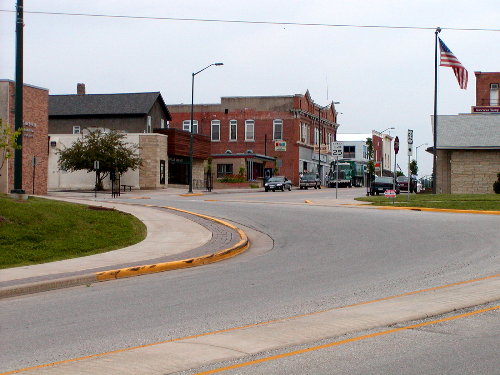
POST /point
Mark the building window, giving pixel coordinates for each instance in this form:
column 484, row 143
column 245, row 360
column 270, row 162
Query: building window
column 304, row 133
column 148, row 125
column 76, row 129
column 162, row 124
column 365, row 152
column 278, row 129
column 187, row 128
column 215, row 130
column 316, row 136
column 249, row 130
column 494, row 94
column 349, row 152
column 224, row 170
column 233, row 130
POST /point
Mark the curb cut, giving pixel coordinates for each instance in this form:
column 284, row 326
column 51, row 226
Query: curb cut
column 43, row 286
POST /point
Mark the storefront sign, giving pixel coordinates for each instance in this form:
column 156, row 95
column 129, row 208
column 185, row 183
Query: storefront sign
column 28, row 129
column 486, row 109
column 279, row 145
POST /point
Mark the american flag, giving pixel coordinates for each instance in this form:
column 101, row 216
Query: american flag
column 449, row 59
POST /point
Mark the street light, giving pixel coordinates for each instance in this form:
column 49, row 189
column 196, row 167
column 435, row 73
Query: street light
column 191, row 125
column 416, row 151
column 382, row 151
column 320, row 108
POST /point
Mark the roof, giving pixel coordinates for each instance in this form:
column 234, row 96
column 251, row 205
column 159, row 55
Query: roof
column 104, row 104
column 468, row 131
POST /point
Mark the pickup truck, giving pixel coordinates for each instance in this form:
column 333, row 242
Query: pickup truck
column 309, row 180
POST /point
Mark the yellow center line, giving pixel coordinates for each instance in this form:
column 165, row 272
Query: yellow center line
column 341, row 342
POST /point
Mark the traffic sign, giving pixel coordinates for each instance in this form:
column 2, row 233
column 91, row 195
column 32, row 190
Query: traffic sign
column 396, row 145
column 410, row 149
column 390, row 193
column 410, row 137
column 338, row 149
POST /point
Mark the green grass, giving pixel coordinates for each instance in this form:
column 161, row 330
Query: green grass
column 41, row 230
column 482, row 202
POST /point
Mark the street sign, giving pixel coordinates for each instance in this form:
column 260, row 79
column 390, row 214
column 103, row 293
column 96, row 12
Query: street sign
column 338, row 149
column 410, row 149
column 390, row 193
column 396, row 145
column 410, row 137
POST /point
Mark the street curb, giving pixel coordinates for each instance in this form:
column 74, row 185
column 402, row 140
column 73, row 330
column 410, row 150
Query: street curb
column 439, row 210
column 236, row 249
column 43, row 286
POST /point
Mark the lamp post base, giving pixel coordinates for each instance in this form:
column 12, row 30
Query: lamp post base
column 18, row 194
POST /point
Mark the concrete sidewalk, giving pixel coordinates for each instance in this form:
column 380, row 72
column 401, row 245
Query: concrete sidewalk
column 171, row 236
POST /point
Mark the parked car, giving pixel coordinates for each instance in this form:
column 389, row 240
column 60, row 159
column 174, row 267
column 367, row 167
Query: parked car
column 278, row 183
column 381, row 184
column 403, row 184
column 309, row 180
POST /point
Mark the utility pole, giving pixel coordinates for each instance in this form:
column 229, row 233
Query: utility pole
column 18, row 122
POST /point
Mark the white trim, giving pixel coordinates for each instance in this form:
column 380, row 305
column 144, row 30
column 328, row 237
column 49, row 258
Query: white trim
column 247, row 123
column 231, row 123
column 275, row 123
column 213, row 124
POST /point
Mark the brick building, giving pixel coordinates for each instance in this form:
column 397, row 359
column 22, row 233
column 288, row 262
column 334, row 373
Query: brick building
column 468, row 145
column 487, row 92
column 257, row 129
column 35, row 129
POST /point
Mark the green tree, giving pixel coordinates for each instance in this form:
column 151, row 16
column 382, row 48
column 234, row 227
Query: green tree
column 110, row 149
column 370, row 165
column 413, row 167
column 8, row 143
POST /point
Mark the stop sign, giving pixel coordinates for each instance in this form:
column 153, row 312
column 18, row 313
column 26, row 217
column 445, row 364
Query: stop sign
column 396, row 145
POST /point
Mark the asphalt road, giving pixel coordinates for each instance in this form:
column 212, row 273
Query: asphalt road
column 309, row 258
column 468, row 345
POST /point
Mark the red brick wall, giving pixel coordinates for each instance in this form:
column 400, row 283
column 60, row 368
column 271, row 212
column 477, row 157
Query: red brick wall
column 263, row 128
column 483, row 81
column 35, row 138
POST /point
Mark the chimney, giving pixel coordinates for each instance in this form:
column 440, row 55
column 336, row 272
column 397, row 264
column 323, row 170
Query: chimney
column 80, row 89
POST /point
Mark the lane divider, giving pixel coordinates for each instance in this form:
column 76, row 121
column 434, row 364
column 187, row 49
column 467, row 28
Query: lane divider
column 346, row 341
column 232, row 251
column 210, row 333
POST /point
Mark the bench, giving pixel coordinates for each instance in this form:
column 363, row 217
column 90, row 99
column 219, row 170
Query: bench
column 129, row 187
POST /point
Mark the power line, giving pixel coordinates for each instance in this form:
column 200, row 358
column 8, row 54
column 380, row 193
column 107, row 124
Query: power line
column 280, row 23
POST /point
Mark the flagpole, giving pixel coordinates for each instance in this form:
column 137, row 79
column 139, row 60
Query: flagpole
column 434, row 151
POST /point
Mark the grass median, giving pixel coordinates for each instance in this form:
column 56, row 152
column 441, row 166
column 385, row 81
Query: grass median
column 478, row 202
column 41, row 230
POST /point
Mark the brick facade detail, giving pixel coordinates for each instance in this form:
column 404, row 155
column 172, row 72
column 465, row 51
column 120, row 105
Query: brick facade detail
column 293, row 111
column 35, row 136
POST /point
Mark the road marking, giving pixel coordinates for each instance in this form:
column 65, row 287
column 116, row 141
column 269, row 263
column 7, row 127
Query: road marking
column 337, row 343
column 242, row 327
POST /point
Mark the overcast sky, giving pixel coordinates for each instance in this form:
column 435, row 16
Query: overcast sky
column 381, row 77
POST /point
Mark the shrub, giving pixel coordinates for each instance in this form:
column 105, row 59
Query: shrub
column 231, row 178
column 496, row 185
